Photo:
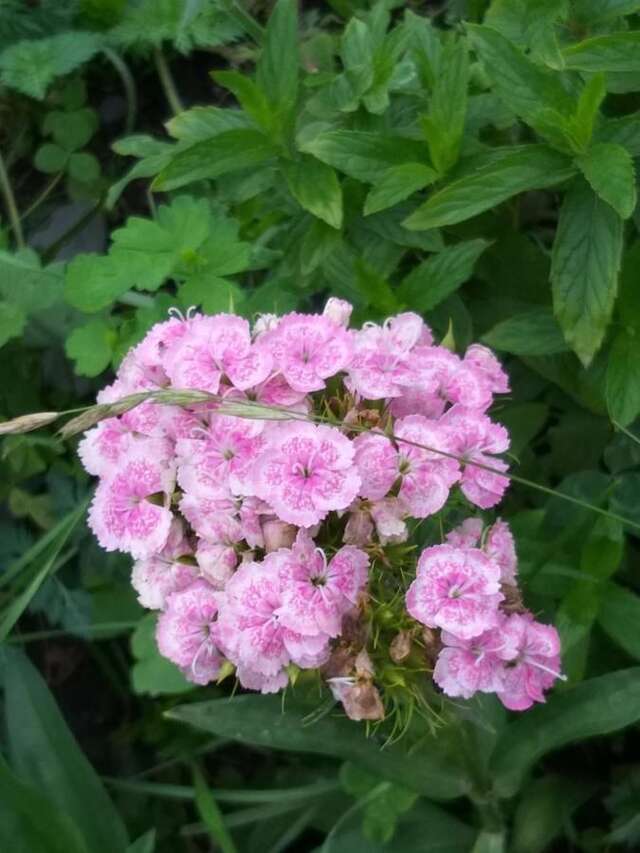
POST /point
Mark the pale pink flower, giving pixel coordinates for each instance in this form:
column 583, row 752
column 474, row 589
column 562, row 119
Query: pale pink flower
column 432, row 369
column 172, row 569
column 456, row 589
column 389, row 518
column 427, row 474
column 277, row 534
column 102, row 447
column 185, row 632
column 215, row 519
column 217, row 561
column 130, row 511
column 499, row 546
column 251, row 680
column 484, row 359
column 466, row 666
column 316, row 592
column 338, row 310
column 143, row 367
column 475, row 438
column 306, row 471
column 307, row 349
column 377, row 462
column 531, row 655
column 467, row 534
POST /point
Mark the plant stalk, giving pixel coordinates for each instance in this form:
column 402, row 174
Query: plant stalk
column 10, row 202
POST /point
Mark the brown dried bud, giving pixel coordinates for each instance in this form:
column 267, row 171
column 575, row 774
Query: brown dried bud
column 340, row 664
column 27, row 423
column 400, row 647
column 277, row 534
column 512, row 599
column 363, row 702
column 355, row 629
column 432, row 644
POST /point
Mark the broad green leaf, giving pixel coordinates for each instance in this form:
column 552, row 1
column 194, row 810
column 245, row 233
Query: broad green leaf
column 227, row 152
column 444, row 124
column 584, row 268
column 357, row 52
column 609, row 169
column 44, row 753
column 597, row 11
column 623, row 377
column 31, row 66
column 598, row 706
column 397, row 184
column 195, row 125
column 261, row 721
column 91, row 347
column 93, row 282
column 617, row 52
column 528, row 89
column 490, row 180
column 12, row 321
column 623, row 131
column 534, row 332
column 152, row 674
column 277, row 68
column 315, row 187
column 84, row 167
column 33, row 823
column 26, row 283
column 50, row 158
column 589, row 103
column 363, row 155
column 544, row 809
column 619, row 615
column 251, row 97
column 439, row 276
column 211, row 815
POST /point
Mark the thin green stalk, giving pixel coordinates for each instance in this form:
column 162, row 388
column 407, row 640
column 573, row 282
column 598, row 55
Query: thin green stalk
column 44, row 195
column 228, row 795
column 167, row 82
column 137, row 300
column 90, row 631
column 128, row 84
column 10, row 202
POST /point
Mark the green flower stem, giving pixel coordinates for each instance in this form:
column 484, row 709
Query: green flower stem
column 44, row 195
column 167, row 81
column 129, row 85
column 10, row 202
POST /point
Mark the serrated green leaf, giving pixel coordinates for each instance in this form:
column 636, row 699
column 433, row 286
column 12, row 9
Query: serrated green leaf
column 31, row 66
column 12, row 321
column 616, row 52
column 534, row 332
column 213, row 293
column 584, row 268
column 152, row 22
column 588, row 106
column 609, row 169
column 50, row 158
column 598, row 706
column 227, row 152
column 315, row 187
column 619, row 615
column 93, row 282
column 25, row 282
column 201, row 123
column 623, row 131
column 491, row 179
column 444, row 124
column 439, row 276
column 250, row 96
column 361, row 154
column 623, row 378
column 397, row 184
column 91, row 347
column 277, row 67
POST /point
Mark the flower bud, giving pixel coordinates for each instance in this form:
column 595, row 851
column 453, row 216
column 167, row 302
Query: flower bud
column 400, row 647
column 363, row 702
column 338, row 310
column 277, row 534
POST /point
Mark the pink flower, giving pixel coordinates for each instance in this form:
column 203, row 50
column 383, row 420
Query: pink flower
column 466, row 666
column 217, row 561
column 432, row 369
column 112, row 439
column 389, row 518
column 456, row 589
column 339, row 311
column 130, row 511
column 427, row 475
column 215, row 347
column 499, row 546
column 172, row 569
column 473, row 436
column 185, row 632
column 316, row 592
column 377, row 462
column 483, row 359
column 215, row 518
column 306, row 471
column 250, row 628
column 531, row 655
column 143, row 366
column 307, row 349
column 251, row 680
column 467, row 535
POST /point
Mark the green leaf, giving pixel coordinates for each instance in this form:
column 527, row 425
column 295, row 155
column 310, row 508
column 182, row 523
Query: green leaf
column 444, row 124
column 315, row 187
column 34, row 824
column 227, row 152
column 596, row 11
column 71, row 130
column 397, row 184
column 617, row 52
column 544, row 809
column 584, row 268
column 31, row 66
column 250, row 96
column 439, row 276
column 145, row 844
column 491, row 179
column 361, row 154
column 277, row 68
column 261, row 721
column 93, row 282
column 598, row 706
column 44, row 753
column 12, row 321
column 534, row 332
column 623, row 131
column 152, row 674
column 619, row 615
column 623, row 378
column 91, row 347
column 526, row 88
column 50, row 158
column 589, row 103
column 211, row 815
column 24, row 282
column 609, row 169
column 84, row 167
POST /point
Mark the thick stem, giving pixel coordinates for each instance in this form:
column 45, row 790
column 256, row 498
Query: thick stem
column 10, row 202
column 167, row 81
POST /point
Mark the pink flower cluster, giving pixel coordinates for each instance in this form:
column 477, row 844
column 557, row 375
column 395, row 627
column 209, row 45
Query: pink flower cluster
column 254, row 535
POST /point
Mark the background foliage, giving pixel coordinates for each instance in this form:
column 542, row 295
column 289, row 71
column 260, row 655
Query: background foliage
column 471, row 161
